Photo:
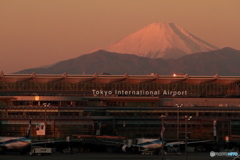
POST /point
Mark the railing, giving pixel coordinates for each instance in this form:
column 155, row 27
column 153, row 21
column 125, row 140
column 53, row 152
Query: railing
column 113, row 117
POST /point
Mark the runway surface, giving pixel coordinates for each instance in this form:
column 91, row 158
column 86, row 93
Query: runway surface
column 113, row 156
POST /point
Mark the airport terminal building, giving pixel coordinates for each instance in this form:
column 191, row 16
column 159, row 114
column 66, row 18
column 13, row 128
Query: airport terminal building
column 131, row 106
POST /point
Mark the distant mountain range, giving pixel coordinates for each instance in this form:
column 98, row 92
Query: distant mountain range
column 160, row 40
column 224, row 62
column 163, row 48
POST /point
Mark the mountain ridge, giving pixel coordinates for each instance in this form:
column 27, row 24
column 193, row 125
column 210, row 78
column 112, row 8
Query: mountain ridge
column 224, row 62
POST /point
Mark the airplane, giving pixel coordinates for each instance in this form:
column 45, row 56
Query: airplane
column 21, row 144
column 153, row 146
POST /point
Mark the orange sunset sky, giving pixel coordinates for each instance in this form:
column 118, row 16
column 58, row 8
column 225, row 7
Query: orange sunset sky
column 35, row 33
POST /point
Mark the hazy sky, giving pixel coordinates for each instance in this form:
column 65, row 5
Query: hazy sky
column 35, row 33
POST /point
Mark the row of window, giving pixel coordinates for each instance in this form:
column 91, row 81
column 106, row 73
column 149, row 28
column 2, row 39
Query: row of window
column 97, row 113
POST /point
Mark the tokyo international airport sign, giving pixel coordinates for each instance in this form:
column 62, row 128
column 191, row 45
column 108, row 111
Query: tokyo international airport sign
column 138, row 93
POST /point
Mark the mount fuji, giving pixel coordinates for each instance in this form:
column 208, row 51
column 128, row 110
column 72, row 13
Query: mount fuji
column 162, row 48
column 160, row 40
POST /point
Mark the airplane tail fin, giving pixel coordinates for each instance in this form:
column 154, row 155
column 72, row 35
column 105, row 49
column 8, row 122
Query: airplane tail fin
column 162, row 132
column 29, row 129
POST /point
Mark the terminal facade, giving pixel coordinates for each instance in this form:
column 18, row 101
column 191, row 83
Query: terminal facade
column 130, row 106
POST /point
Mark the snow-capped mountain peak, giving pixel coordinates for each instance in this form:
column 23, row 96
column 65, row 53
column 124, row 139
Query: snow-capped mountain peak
column 160, row 40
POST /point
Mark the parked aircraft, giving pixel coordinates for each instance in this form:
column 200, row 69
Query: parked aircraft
column 21, row 144
column 154, row 146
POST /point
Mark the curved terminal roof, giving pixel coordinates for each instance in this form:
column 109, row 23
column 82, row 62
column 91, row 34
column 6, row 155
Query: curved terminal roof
column 135, row 79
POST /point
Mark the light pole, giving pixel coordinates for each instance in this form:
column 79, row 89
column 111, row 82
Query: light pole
column 214, row 131
column 45, row 119
column 187, row 118
column 46, row 105
column 162, row 135
column 178, row 106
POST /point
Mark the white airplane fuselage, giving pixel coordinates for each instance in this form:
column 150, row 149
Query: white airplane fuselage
column 14, row 143
column 150, row 145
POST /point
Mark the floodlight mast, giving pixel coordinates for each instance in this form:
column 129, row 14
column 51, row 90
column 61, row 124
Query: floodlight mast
column 178, row 107
column 187, row 118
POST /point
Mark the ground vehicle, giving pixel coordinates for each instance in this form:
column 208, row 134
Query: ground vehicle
column 40, row 151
